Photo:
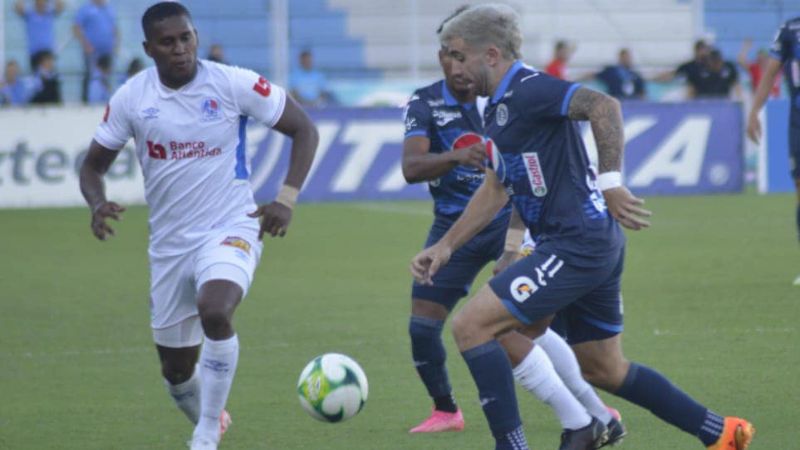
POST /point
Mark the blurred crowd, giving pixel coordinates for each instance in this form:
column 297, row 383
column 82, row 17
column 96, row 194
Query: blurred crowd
column 708, row 75
column 94, row 27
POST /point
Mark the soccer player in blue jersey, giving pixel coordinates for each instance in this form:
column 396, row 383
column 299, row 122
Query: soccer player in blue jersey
column 539, row 161
column 444, row 146
column 785, row 53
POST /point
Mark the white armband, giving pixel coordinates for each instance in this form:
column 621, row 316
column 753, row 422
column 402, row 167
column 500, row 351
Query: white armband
column 287, row 196
column 609, row 180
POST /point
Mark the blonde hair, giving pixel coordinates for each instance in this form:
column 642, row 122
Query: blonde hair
column 483, row 25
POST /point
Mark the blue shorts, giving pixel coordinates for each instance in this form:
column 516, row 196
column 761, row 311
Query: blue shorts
column 794, row 151
column 587, row 300
column 453, row 281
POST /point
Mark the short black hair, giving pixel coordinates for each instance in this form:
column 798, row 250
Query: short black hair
column 161, row 11
column 700, row 43
column 40, row 56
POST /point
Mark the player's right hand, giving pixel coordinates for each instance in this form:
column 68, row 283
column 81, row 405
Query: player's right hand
column 626, row 208
column 100, row 228
column 754, row 128
column 427, row 262
column 472, row 156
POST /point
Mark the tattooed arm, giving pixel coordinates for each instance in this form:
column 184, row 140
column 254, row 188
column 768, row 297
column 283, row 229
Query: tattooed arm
column 605, row 116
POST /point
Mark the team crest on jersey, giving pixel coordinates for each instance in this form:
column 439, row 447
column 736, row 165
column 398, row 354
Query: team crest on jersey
column 535, row 175
column 501, row 115
column 210, row 110
column 234, row 241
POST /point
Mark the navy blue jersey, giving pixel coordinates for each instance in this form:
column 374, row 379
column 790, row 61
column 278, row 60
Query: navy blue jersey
column 622, row 82
column 433, row 112
column 786, row 49
column 538, row 154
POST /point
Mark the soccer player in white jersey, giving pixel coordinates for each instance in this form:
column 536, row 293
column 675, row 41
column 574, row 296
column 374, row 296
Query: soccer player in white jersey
column 188, row 119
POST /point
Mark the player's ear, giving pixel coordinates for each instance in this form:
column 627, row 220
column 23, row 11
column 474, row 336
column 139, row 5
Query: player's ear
column 146, row 48
column 493, row 55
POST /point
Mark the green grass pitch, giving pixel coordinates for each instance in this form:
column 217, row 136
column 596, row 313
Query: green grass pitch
column 708, row 301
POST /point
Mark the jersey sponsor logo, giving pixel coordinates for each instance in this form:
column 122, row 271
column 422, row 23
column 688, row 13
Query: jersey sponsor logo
column 237, row 242
column 150, row 113
column 210, row 110
column 466, row 140
column 496, row 161
column 108, row 111
column 444, row 116
column 501, row 115
column 156, row 151
column 262, row 86
column 181, row 150
column 535, row 175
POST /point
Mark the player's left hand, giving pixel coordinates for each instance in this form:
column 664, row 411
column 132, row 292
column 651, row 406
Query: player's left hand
column 275, row 218
column 507, row 259
column 427, row 262
column 626, row 208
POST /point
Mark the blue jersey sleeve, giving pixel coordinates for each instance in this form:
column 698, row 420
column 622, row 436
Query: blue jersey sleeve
column 781, row 48
column 417, row 117
column 547, row 97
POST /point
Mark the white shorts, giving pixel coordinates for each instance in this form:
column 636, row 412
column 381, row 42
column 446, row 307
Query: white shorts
column 231, row 253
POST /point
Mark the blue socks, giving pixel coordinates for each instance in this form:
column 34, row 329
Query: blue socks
column 429, row 356
column 491, row 371
column 652, row 391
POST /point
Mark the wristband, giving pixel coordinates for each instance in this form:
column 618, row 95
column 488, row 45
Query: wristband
column 287, row 196
column 609, row 180
column 514, row 240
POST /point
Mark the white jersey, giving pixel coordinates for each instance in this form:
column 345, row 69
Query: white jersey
column 191, row 146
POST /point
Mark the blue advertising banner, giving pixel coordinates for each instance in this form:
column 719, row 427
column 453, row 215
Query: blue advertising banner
column 681, row 148
column 775, row 158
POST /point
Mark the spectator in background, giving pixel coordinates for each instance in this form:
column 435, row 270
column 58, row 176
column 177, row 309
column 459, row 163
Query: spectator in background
column 134, row 66
column 756, row 68
column 14, row 90
column 621, row 80
column 95, row 27
column 716, row 78
column 46, row 81
column 309, row 85
column 690, row 68
column 562, row 53
column 216, row 54
column 39, row 25
column 100, row 86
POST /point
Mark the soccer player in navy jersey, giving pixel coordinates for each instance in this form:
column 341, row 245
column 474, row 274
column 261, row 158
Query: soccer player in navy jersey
column 785, row 53
column 539, row 161
column 444, row 146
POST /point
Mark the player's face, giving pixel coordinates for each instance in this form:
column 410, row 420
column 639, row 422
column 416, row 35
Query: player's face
column 459, row 83
column 468, row 63
column 173, row 47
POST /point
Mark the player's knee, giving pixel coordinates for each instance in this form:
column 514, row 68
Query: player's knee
column 176, row 372
column 607, row 374
column 462, row 329
column 216, row 318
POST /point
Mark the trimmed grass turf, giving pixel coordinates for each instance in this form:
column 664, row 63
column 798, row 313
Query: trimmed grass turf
column 708, row 301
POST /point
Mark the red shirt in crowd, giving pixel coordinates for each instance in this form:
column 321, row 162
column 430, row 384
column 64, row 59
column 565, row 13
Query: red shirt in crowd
column 755, row 79
column 557, row 68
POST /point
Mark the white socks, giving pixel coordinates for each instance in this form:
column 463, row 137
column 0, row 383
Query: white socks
column 536, row 374
column 566, row 365
column 187, row 395
column 217, row 367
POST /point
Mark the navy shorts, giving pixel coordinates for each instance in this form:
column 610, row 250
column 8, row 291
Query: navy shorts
column 794, row 151
column 587, row 300
column 453, row 281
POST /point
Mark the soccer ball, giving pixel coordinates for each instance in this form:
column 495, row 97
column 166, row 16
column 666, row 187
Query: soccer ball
column 332, row 388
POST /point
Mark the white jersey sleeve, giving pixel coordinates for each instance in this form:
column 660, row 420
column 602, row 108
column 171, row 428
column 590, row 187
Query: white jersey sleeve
column 116, row 128
column 256, row 97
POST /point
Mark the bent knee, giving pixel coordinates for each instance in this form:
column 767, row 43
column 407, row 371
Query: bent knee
column 607, row 375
